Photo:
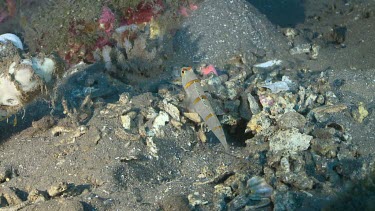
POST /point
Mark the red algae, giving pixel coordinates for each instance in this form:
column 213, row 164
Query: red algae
column 144, row 12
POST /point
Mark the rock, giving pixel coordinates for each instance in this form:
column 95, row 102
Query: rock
column 314, row 51
column 214, row 85
column 300, row 49
column 290, row 33
column 322, row 113
column 244, row 109
column 232, row 106
column 36, row 196
column 58, row 189
column 291, row 120
column 325, row 147
column 258, row 123
column 124, row 98
column 254, row 106
column 289, row 141
column 361, row 113
column 149, row 113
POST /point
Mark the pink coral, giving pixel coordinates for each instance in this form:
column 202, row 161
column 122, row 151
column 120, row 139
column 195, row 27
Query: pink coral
column 209, row 69
column 107, row 20
column 184, row 11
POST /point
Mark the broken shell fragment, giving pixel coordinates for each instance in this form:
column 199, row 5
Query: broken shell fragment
column 277, row 87
column 171, row 110
column 14, row 39
column 127, row 120
column 159, row 122
column 259, row 187
column 202, row 136
column 193, row 117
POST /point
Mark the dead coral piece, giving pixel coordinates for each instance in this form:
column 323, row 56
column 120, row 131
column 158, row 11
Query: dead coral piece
column 258, row 123
column 289, row 141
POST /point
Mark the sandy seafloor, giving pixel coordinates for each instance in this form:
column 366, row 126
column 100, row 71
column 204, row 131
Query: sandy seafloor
column 95, row 165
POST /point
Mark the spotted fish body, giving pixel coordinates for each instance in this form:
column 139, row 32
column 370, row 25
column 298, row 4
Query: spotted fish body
column 200, row 103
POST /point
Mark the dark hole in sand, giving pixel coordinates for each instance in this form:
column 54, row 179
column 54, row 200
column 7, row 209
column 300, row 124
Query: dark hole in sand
column 284, row 13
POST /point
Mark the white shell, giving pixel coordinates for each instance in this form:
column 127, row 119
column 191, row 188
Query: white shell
column 268, row 64
column 12, row 38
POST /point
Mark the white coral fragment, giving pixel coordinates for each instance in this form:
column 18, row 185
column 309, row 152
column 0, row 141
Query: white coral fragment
column 290, row 141
column 277, row 87
column 9, row 94
column 23, row 74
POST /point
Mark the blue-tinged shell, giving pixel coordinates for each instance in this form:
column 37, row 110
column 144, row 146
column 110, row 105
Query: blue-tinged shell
column 259, row 187
column 11, row 38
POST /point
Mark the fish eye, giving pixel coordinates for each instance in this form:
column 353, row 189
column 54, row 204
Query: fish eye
column 184, row 69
